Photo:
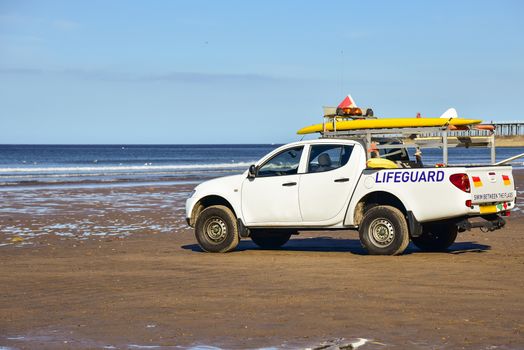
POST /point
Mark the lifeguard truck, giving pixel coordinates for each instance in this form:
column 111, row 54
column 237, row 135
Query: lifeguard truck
column 356, row 179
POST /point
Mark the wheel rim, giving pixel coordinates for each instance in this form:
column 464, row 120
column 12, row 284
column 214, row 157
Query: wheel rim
column 215, row 229
column 381, row 232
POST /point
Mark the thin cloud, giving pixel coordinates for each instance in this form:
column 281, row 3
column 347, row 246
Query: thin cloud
column 64, row 24
column 192, row 77
column 14, row 19
column 168, row 77
column 25, row 39
column 17, row 20
column 357, row 35
column 21, row 71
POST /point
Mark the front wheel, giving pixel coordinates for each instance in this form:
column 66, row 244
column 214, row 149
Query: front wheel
column 384, row 231
column 216, row 229
column 436, row 237
column 268, row 239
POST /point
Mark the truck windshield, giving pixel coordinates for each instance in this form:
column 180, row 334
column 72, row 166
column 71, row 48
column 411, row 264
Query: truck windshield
column 284, row 163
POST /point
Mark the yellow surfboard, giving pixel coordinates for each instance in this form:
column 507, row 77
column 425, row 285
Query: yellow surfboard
column 359, row 124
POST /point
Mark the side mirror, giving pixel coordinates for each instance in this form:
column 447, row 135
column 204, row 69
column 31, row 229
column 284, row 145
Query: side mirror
column 252, row 172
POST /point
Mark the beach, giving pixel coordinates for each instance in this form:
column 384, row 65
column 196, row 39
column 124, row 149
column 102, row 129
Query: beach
column 116, row 267
column 398, row 118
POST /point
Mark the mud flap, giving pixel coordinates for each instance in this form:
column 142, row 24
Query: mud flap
column 415, row 227
column 243, row 231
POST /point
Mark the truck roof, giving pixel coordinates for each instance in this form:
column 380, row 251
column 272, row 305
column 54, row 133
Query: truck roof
column 325, row 140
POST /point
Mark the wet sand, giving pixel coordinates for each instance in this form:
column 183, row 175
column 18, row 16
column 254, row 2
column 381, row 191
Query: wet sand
column 118, row 268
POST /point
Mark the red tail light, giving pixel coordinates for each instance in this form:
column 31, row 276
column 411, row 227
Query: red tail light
column 461, row 181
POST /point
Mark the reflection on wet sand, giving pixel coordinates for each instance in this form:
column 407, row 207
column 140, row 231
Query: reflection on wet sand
column 83, row 213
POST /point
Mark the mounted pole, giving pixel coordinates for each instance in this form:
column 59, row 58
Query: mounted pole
column 502, row 162
column 445, row 147
column 492, row 147
column 368, row 145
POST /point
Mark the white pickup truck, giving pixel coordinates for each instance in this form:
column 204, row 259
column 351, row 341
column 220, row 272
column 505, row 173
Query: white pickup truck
column 325, row 184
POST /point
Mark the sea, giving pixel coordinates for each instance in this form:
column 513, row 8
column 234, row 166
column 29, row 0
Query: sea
column 30, row 165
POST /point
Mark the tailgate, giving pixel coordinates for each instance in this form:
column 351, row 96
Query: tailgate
column 491, row 184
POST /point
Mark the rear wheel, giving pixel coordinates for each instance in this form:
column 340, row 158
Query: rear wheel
column 268, row 239
column 436, row 237
column 384, row 231
column 216, row 229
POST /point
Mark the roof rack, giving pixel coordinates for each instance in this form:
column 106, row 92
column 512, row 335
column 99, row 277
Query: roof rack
column 417, row 137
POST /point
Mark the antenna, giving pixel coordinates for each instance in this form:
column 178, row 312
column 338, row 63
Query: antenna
column 342, row 72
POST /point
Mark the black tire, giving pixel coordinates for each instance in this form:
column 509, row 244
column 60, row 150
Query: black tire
column 436, row 237
column 216, row 230
column 268, row 239
column 384, row 231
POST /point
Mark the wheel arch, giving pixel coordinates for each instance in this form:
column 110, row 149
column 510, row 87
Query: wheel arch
column 376, row 198
column 206, row 202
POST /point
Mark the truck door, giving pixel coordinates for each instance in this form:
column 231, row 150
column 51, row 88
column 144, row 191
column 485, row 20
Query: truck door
column 272, row 196
column 329, row 179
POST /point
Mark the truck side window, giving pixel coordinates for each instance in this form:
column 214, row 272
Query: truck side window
column 328, row 157
column 284, row 163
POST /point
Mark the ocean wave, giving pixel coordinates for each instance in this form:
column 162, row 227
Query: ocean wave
column 121, row 168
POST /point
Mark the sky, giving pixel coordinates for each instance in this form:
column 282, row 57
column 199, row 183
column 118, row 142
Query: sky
column 179, row 72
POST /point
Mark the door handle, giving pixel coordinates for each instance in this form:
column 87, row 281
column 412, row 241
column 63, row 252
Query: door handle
column 344, row 179
column 287, row 184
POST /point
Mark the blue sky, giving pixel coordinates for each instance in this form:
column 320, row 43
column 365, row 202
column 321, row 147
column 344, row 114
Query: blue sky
column 247, row 71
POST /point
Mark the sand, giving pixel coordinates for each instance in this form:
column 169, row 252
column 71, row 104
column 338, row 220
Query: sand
column 117, row 268
column 509, row 141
